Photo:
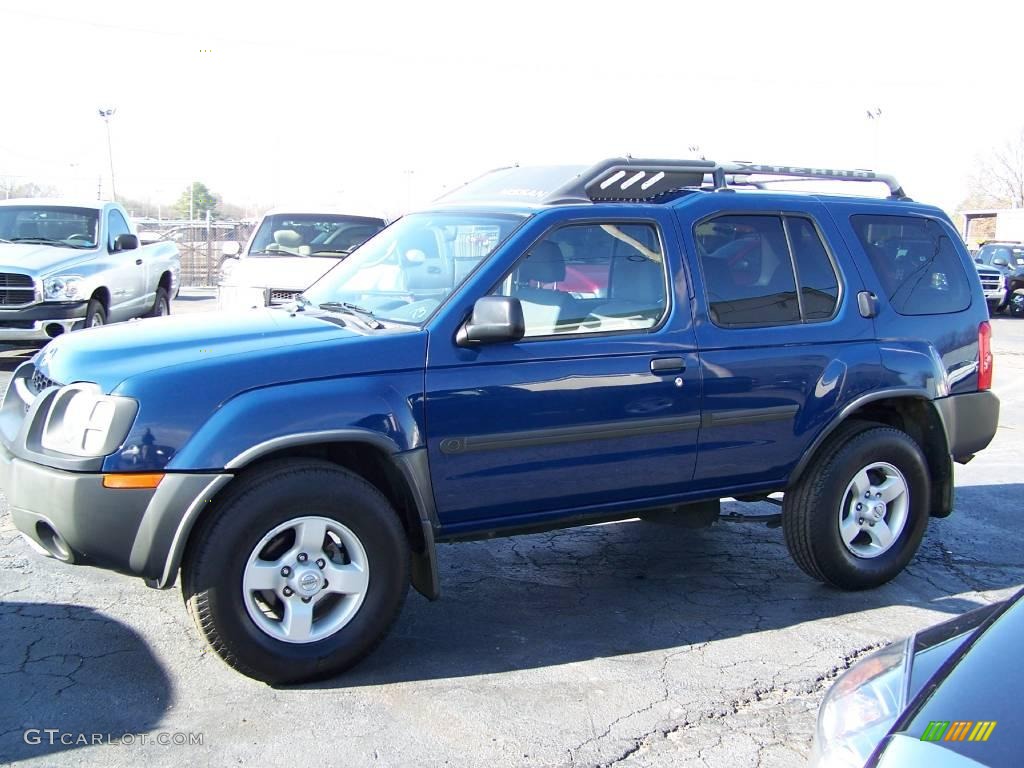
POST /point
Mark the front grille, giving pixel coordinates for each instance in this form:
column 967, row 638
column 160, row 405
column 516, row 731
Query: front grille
column 38, row 382
column 279, row 296
column 16, row 289
column 989, row 281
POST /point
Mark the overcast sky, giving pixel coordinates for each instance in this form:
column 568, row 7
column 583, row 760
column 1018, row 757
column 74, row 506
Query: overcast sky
column 384, row 103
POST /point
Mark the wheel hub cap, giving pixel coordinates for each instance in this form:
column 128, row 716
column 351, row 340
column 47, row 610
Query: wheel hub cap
column 874, row 510
column 309, row 583
column 305, row 579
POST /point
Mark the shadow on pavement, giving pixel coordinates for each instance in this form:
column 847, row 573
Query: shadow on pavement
column 633, row 587
column 69, row 668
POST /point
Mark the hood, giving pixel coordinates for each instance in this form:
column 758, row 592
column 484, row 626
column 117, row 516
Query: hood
column 40, row 259
column 292, row 273
column 111, row 354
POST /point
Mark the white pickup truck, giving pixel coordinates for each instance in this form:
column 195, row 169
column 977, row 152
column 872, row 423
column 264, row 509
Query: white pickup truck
column 289, row 251
column 67, row 265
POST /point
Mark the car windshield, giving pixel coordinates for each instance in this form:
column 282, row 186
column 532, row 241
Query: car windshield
column 64, row 227
column 312, row 234
column 405, row 272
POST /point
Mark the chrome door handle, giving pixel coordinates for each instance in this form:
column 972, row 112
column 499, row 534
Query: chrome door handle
column 668, row 365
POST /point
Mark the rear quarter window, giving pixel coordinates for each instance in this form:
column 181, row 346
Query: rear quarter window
column 917, row 263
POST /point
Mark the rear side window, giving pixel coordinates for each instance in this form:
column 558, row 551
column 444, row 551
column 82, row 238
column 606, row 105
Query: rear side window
column 916, row 262
column 819, row 286
column 748, row 263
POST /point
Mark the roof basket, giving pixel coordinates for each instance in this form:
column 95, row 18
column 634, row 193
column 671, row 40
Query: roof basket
column 634, row 180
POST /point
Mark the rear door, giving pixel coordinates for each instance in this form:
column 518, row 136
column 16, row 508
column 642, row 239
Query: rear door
column 775, row 359
column 597, row 407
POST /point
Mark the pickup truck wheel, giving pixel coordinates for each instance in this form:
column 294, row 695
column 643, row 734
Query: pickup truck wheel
column 95, row 314
column 300, row 573
column 857, row 516
column 162, row 304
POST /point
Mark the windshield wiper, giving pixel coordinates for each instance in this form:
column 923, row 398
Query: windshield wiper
column 45, row 241
column 353, row 309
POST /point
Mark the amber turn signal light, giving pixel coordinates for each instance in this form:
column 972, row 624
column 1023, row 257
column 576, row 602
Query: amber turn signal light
column 133, row 480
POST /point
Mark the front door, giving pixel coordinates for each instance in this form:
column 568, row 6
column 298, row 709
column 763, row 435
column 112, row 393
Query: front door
column 597, row 406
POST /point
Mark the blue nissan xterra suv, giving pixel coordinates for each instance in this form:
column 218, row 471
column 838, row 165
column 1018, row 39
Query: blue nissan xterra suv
column 542, row 348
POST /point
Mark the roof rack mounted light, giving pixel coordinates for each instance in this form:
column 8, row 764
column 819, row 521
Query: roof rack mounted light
column 630, row 179
column 627, row 179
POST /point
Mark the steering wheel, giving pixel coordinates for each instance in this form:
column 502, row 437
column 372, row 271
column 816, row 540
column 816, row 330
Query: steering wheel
column 78, row 237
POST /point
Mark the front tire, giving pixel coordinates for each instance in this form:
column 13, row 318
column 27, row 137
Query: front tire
column 858, row 514
column 95, row 314
column 162, row 304
column 299, row 573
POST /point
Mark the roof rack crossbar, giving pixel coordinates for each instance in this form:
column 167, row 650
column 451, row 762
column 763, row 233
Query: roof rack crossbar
column 632, row 179
column 731, row 170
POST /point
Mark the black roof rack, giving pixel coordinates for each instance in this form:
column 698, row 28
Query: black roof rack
column 628, row 179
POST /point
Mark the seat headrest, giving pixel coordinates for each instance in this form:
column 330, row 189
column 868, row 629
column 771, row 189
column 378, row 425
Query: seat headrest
column 287, row 238
column 634, row 278
column 543, row 264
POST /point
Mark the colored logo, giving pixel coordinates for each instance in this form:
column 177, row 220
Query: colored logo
column 958, row 730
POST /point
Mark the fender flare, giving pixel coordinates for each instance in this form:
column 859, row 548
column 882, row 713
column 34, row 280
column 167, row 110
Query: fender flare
column 410, row 465
column 844, row 414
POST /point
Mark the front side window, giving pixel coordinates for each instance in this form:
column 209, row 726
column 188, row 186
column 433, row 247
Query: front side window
column 116, row 225
column 591, row 278
column 60, row 226
column 312, row 234
column 916, row 262
column 747, row 271
column 406, row 271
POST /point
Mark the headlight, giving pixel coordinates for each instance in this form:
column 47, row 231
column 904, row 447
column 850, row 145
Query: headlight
column 82, row 421
column 860, row 708
column 63, row 288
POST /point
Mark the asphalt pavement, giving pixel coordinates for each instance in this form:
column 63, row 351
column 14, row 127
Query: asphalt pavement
column 633, row 644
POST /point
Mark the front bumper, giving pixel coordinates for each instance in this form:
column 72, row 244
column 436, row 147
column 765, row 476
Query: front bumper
column 30, row 323
column 72, row 517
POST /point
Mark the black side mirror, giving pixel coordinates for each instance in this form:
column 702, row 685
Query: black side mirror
column 495, row 318
column 126, row 242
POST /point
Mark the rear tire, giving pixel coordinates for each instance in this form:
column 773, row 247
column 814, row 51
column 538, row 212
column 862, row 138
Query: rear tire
column 857, row 515
column 263, row 528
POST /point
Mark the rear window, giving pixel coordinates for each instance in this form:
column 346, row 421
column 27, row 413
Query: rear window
column 916, row 262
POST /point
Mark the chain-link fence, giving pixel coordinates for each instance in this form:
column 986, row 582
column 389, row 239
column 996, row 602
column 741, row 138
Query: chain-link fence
column 201, row 246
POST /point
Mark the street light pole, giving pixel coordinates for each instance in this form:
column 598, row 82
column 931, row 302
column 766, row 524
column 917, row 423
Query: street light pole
column 106, row 114
column 875, row 116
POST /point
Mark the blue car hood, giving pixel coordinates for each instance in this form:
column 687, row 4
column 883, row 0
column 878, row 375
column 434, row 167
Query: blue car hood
column 171, row 347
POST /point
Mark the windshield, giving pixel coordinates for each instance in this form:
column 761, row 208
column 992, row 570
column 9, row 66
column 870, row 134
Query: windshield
column 409, row 269
column 55, row 225
column 290, row 234
column 1012, row 256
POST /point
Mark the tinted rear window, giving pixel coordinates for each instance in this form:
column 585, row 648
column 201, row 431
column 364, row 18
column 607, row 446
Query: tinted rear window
column 916, row 262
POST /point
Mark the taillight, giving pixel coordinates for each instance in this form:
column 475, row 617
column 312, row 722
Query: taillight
column 984, row 356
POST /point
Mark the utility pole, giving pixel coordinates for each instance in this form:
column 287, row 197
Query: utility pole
column 106, row 114
column 191, row 201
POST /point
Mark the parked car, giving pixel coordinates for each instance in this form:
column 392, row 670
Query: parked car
column 288, row 252
column 66, row 265
column 437, row 386
column 1000, row 264
column 945, row 697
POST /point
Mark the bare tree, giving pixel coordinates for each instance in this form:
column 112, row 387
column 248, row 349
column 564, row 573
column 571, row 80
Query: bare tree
column 1001, row 175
